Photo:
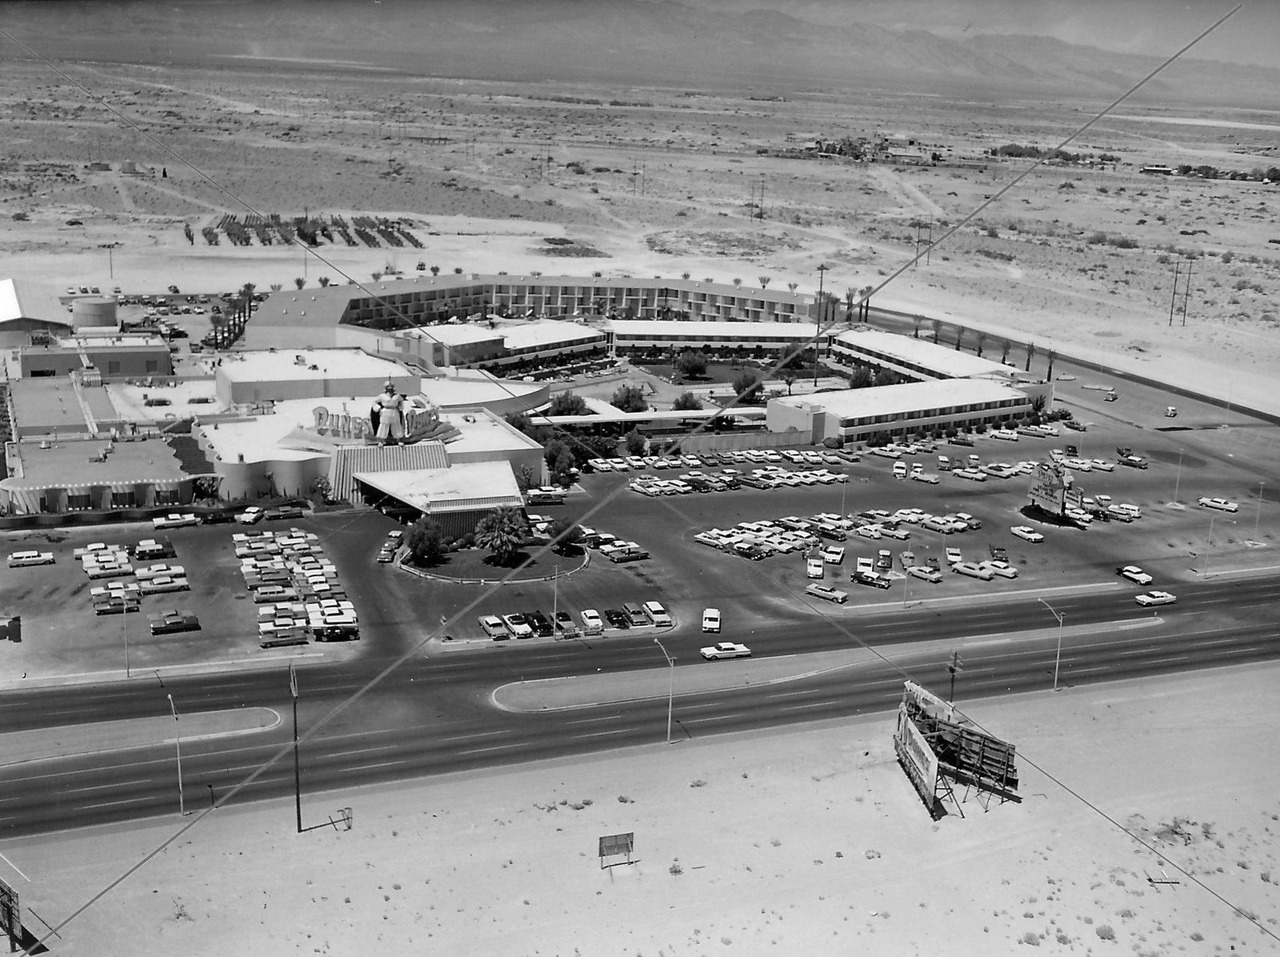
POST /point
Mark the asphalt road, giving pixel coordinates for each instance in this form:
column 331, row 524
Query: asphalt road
column 434, row 715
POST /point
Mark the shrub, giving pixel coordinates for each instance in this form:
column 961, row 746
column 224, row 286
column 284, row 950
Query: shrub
column 1105, row 932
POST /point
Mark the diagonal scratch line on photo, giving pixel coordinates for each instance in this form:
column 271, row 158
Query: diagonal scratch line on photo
column 394, row 665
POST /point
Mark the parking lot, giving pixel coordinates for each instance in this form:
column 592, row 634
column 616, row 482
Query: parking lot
column 1189, row 457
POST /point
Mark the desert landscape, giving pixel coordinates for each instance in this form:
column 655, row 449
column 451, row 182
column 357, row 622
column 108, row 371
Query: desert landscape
column 808, row 838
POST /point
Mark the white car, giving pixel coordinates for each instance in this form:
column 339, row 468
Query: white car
column 592, row 623
column 974, row 475
column 159, row 570
column 1027, row 533
column 1008, row 435
column 492, row 626
column 1155, row 598
column 175, row 520
column 815, row 568
column 954, row 556
column 1221, row 504
column 1003, row 569
column 973, row 570
column 711, row 620
column 1103, row 465
column 827, row 592
column 19, row 559
column 250, row 516
column 925, row 573
column 725, row 649
column 833, row 554
column 163, row 583
column 1134, row 574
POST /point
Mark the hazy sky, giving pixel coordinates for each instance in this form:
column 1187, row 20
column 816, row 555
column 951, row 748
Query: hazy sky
column 1155, row 27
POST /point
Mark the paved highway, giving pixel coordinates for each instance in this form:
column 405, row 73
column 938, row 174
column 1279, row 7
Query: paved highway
column 434, row 715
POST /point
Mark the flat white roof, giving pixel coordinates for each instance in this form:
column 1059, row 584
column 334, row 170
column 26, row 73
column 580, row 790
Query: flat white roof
column 470, row 485
column 799, row 331
column 454, row 334
column 473, row 388
column 942, row 360
column 550, row 333
column 299, row 364
column 908, row 397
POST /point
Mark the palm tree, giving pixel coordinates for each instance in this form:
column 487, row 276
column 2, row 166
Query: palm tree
column 502, row 532
column 850, row 294
column 435, row 270
column 764, row 282
column 789, row 378
column 219, row 322
column 1049, row 374
column 1005, row 346
column 1031, row 351
column 685, row 275
column 299, row 282
column 916, row 320
column 982, row 339
column 793, row 286
column 324, row 281
column 737, row 282
column 937, row 329
column 960, row 331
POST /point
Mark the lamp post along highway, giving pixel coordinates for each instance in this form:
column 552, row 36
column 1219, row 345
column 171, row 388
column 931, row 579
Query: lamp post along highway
column 1257, row 516
column 182, row 801
column 124, row 628
column 1057, row 658
column 297, row 773
column 817, row 342
column 1177, row 482
column 671, row 685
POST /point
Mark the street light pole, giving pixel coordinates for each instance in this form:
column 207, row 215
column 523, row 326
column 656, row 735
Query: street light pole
column 124, row 628
column 671, row 685
column 1177, row 482
column 1258, row 514
column 1208, row 552
column 1057, row 658
column 297, row 773
column 822, row 303
column 182, row 801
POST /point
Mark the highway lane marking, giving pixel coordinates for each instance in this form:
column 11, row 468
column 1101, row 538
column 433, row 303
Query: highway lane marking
column 371, row 767
column 500, row 747
column 1160, row 661
column 805, row 707
column 79, row 771
column 87, row 807
column 381, row 747
column 107, row 787
column 602, row 734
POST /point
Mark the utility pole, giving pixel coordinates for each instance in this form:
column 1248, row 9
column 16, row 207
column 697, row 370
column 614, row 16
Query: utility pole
column 760, row 208
column 928, row 250
column 1173, row 301
column 297, row 774
column 1258, row 515
column 822, row 303
column 1186, row 292
column 671, row 685
column 957, row 664
column 182, row 802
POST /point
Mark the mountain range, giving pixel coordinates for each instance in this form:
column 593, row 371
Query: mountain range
column 613, row 43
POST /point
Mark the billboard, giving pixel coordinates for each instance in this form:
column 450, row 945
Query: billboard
column 1048, row 488
column 917, row 758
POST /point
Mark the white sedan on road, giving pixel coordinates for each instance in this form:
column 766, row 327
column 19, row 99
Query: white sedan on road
column 725, row 649
column 1134, row 574
column 1221, row 504
column 175, row 520
column 1155, row 598
column 1027, row 533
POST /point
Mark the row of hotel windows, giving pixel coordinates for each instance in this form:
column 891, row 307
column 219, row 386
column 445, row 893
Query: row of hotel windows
column 901, row 430
column 918, row 414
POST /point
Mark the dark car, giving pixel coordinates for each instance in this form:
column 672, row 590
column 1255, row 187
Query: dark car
column 870, row 578
column 171, row 622
column 540, row 623
column 999, row 554
column 1075, row 426
column 282, row 512
column 115, row 605
column 616, row 618
column 564, row 621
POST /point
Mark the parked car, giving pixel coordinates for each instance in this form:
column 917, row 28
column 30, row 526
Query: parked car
column 517, row 625
column 1001, row 569
column 1027, row 533
column 20, row 559
column 953, row 556
column 925, row 573
column 815, row 568
column 833, row 554
column 657, row 614
column 1155, row 598
column 711, row 620
column 175, row 520
column 874, row 579
column 163, row 583
column 1221, row 504
column 540, row 623
column 250, row 516
column 592, row 623
column 170, row 622
column 973, row 570
column 827, row 592
column 725, row 649
column 617, row 619
column 1134, row 574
